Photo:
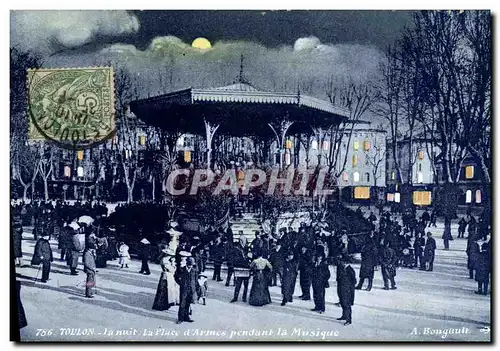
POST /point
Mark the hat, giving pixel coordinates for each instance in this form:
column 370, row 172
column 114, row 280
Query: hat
column 185, row 254
column 145, row 241
column 202, row 274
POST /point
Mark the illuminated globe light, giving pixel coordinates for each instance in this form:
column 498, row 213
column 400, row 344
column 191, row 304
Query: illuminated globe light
column 201, row 43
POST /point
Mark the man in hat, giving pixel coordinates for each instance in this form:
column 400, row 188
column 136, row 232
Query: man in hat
column 241, row 275
column 218, row 258
column 89, row 265
column 256, row 244
column 77, row 246
column 346, row 282
column 43, row 255
column 320, row 275
column 289, row 277
column 277, row 261
column 388, row 266
column 185, row 276
column 305, row 267
column 144, row 253
column 429, row 251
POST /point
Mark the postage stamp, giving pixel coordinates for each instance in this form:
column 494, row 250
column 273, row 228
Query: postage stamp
column 73, row 107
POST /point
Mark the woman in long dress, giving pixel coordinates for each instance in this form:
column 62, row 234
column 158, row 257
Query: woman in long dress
column 167, row 293
column 259, row 294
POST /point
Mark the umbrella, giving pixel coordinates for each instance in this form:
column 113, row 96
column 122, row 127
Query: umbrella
column 85, row 219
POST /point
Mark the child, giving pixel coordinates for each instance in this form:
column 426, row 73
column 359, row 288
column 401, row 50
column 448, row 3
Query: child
column 202, row 287
column 123, row 254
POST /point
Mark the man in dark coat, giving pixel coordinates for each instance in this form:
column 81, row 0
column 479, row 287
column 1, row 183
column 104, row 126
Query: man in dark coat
column 217, row 255
column 418, row 247
column 289, row 277
column 320, row 275
column 346, row 282
column 65, row 241
column 256, row 244
column 426, row 218
column 429, row 251
column 305, row 268
column 388, row 266
column 43, row 255
column 277, row 260
column 77, row 248
column 185, row 276
column 145, row 253
column 89, row 266
column 241, row 274
column 368, row 263
column 462, row 224
column 472, row 251
column 483, row 269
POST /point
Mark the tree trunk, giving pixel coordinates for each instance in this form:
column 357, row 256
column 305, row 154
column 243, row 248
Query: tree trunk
column 25, row 192
column 130, row 191
column 46, row 189
column 153, row 189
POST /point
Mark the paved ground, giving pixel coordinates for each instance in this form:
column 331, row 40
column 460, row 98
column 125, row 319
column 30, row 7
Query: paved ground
column 425, row 306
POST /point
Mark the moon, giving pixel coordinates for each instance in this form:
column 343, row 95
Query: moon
column 201, row 43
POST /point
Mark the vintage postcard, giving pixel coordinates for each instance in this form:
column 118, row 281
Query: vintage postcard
column 230, row 176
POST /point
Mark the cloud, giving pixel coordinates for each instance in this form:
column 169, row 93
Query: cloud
column 47, row 31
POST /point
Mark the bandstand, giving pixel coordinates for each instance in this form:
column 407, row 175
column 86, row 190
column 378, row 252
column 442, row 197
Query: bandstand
column 269, row 120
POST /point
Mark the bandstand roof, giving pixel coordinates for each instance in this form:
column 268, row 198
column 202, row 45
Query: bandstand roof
column 240, row 109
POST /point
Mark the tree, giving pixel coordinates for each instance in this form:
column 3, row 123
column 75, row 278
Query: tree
column 127, row 151
column 376, row 156
column 46, row 166
column 23, row 154
column 356, row 98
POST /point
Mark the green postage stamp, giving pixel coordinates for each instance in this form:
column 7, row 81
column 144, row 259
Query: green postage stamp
column 73, row 107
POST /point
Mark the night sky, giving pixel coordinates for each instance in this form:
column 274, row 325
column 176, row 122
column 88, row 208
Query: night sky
column 274, row 28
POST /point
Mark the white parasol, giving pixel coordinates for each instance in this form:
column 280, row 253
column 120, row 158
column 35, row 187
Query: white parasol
column 74, row 225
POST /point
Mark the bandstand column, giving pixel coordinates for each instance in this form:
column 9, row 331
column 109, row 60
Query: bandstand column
column 210, row 129
column 280, row 129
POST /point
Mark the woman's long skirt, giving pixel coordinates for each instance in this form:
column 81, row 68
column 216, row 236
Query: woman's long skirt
column 259, row 294
column 161, row 302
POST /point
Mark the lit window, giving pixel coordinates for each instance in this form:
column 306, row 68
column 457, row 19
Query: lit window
column 478, row 196
column 420, row 177
column 420, row 155
column 314, row 144
column 469, row 172
column 356, row 145
column 393, row 175
column 325, row 145
column 115, row 140
column 79, row 171
column 288, row 158
column 390, row 197
column 288, row 144
column 367, row 177
column 80, row 155
column 142, row 140
column 397, row 197
column 355, row 177
column 345, row 176
column 362, row 192
column 354, row 160
column 366, row 145
column 422, row 198
column 67, row 171
column 468, row 196
column 187, row 156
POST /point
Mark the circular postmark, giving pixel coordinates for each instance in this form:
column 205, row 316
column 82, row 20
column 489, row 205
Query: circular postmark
column 73, row 107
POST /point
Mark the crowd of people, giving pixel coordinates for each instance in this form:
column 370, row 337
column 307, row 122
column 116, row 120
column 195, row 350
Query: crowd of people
column 305, row 254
